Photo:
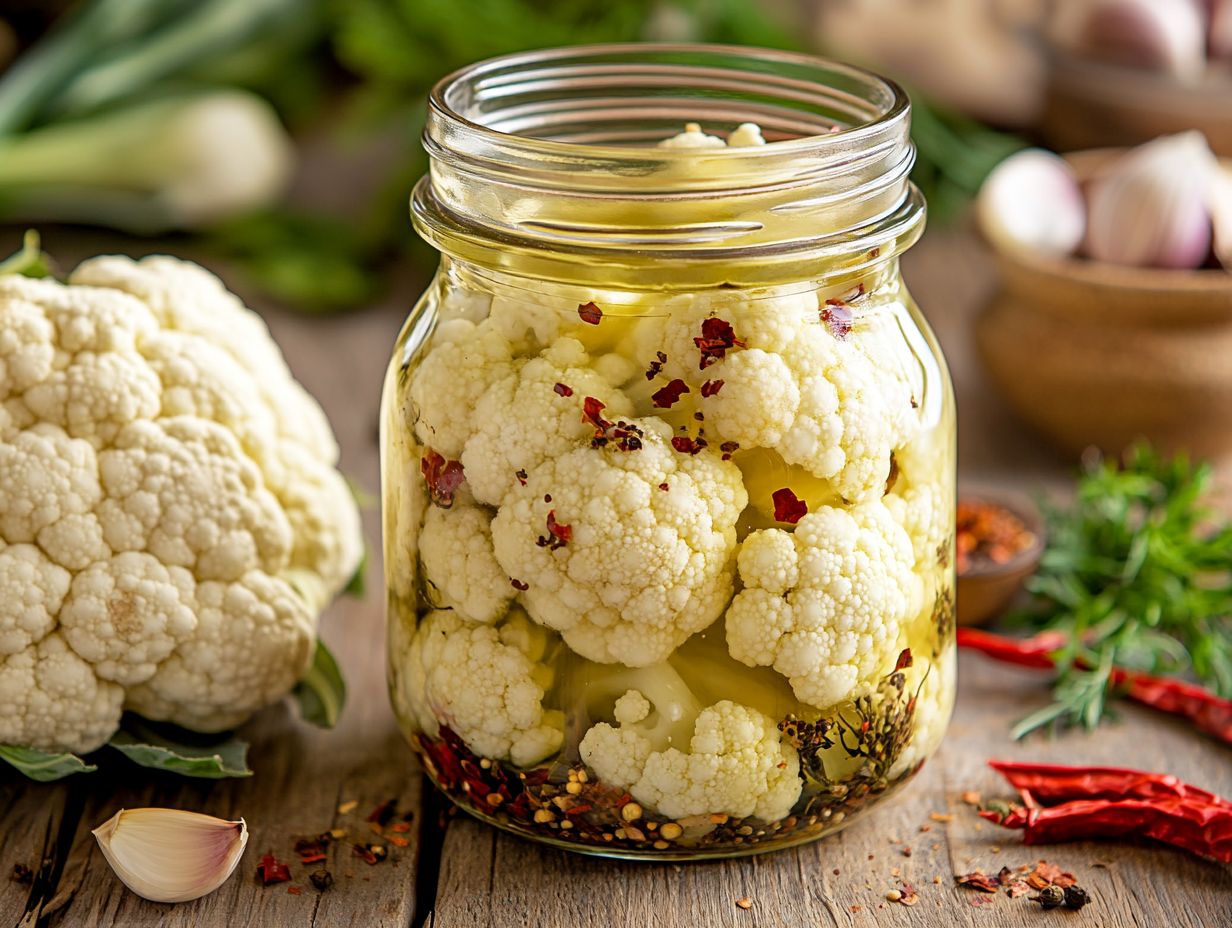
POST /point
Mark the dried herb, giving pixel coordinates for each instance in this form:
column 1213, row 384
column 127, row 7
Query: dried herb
column 443, row 477
column 668, row 396
column 788, row 507
column 271, row 870
column 1137, row 574
column 590, row 313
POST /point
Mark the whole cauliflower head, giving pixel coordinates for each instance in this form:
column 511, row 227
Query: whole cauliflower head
column 648, row 560
column 171, row 516
column 824, row 604
column 484, row 683
column 737, row 762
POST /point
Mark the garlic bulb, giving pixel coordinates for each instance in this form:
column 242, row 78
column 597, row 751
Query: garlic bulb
column 1032, row 200
column 1150, row 207
column 169, row 855
column 1163, row 35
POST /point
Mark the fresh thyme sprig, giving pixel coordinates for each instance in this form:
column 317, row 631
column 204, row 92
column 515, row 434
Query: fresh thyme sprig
column 1138, row 573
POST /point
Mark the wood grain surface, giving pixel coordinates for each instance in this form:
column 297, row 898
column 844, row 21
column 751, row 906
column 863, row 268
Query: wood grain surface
column 459, row 874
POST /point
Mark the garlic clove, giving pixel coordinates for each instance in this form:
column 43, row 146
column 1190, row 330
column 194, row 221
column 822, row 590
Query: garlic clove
column 169, row 855
column 1150, row 207
column 1032, row 200
column 1161, row 35
column 1221, row 216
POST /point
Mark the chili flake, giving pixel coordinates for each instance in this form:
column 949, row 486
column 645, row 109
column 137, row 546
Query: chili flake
column 371, row 854
column 744, row 902
column 686, row 445
column 988, row 533
column 558, row 534
column 312, row 850
column 590, row 313
column 664, row 487
column 909, row 895
column 838, row 317
column 443, row 477
column 788, row 507
column 563, row 390
column 729, row 448
column 717, row 337
column 977, row 879
column 384, row 813
column 592, row 412
column 669, row 396
column 521, row 475
column 519, row 585
column 271, row 870
column 294, row 890
column 656, row 365
column 711, row 387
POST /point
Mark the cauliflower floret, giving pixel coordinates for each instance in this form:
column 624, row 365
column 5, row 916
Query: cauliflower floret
column 456, row 551
column 648, row 559
column 154, row 450
column 484, row 684
column 464, row 359
column 920, row 500
column 823, row 604
column 693, row 137
column 533, row 415
column 526, row 324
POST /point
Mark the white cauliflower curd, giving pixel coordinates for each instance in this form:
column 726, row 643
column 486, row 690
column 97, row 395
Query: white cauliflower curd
column 824, row 604
column 486, row 684
column 624, row 548
column 171, row 517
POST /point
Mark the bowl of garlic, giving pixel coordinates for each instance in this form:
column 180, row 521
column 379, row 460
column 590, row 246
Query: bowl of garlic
column 1113, row 320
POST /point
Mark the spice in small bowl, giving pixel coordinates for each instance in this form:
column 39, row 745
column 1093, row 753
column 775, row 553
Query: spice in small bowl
column 997, row 546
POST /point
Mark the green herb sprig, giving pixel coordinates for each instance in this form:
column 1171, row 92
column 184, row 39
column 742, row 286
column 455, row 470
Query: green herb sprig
column 1137, row 573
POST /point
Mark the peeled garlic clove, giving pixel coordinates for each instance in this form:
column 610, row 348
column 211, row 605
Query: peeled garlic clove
column 1162, row 35
column 169, row 855
column 1032, row 200
column 1150, row 207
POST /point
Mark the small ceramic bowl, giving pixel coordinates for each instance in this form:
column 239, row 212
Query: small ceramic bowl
column 1098, row 354
column 985, row 590
column 1090, row 104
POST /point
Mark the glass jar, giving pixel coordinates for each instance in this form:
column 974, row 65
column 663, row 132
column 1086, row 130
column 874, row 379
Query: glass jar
column 669, row 454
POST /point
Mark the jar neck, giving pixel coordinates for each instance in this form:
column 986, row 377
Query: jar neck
column 544, row 165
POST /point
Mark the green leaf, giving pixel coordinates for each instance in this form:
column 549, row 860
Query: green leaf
column 30, row 261
column 148, row 747
column 322, row 693
column 43, row 766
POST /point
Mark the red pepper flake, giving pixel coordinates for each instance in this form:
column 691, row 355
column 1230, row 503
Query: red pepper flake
column 519, row 585
column 398, row 841
column 669, row 396
column 909, row 895
column 686, row 445
column 521, row 475
column 981, row 881
column 371, row 854
column 988, row 534
column 590, row 313
column 1017, row 888
column 558, row 535
column 729, row 448
column 443, row 477
column 838, row 317
column 904, row 660
column 592, row 412
column 625, row 436
column 384, row 813
column 400, row 828
column 711, row 387
column 294, row 890
column 547, row 497
column 788, row 507
column 563, row 390
column 744, row 902
column 656, row 365
column 271, row 870
column 312, row 850
column 664, row 487
column 717, row 337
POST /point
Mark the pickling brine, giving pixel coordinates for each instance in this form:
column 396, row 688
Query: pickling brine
column 668, row 455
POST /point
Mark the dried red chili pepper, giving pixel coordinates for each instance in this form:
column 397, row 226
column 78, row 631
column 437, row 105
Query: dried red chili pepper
column 590, row 313
column 788, row 507
column 1206, row 710
column 1049, row 784
column 669, row 396
column 271, row 870
column 442, row 477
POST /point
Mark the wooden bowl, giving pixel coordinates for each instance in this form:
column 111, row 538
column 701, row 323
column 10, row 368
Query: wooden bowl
column 1098, row 354
column 986, row 590
column 1090, row 104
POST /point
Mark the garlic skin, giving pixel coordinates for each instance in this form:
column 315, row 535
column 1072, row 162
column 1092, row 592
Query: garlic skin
column 170, row 855
column 1150, row 207
column 1160, row 35
column 1032, row 201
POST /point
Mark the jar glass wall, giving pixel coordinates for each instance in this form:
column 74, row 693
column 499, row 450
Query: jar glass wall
column 668, row 455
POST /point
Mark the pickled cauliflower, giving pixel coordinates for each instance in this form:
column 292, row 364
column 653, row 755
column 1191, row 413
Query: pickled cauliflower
column 486, row 684
column 824, row 604
column 736, row 762
column 626, row 551
column 171, row 517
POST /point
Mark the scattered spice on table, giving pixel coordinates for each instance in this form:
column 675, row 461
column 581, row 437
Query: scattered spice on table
column 22, row 875
column 371, row 854
column 271, row 870
column 313, row 850
column 321, row 879
column 988, row 534
column 1064, row 803
column 1043, row 878
column 348, row 807
column 744, row 902
column 384, row 813
column 294, row 890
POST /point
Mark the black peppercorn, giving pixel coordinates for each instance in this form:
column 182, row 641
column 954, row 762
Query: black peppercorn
column 1076, row 897
column 321, row 879
column 1050, row 897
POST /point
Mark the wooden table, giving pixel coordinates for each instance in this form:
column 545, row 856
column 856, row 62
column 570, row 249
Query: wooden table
column 456, row 873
